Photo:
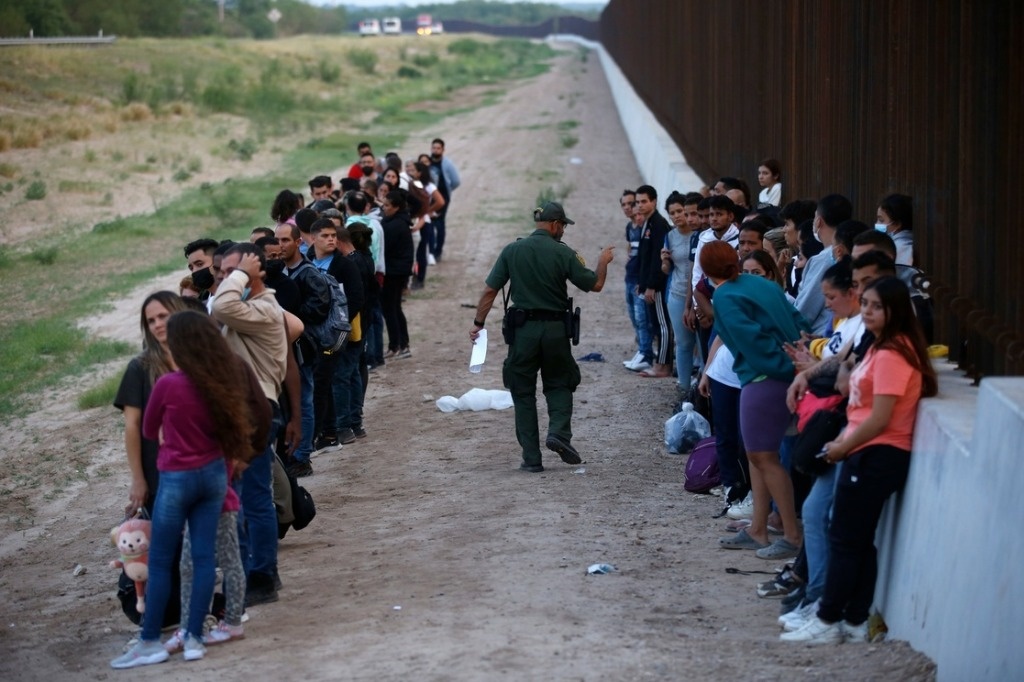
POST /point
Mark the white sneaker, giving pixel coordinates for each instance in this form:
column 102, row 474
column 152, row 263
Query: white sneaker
column 639, row 366
column 430, row 259
column 795, row 619
column 636, row 358
column 855, row 633
column 224, row 633
column 815, row 631
column 141, row 653
column 743, row 509
column 194, row 649
column 175, row 642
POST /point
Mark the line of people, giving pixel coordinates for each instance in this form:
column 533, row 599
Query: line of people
column 235, row 378
column 783, row 313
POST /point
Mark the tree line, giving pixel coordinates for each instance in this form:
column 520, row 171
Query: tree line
column 241, row 18
column 167, row 18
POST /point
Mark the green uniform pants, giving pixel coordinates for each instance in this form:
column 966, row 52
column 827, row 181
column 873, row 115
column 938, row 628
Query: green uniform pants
column 543, row 346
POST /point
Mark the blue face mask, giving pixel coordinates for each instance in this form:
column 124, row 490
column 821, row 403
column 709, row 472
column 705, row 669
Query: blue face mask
column 881, row 227
column 245, row 293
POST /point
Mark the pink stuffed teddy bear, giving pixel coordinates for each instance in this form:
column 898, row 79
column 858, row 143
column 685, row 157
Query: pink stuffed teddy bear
column 132, row 539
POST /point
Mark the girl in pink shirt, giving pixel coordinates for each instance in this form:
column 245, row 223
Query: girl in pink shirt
column 874, row 449
column 200, row 415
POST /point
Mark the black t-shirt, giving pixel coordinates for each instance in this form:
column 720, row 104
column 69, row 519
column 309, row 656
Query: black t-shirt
column 134, row 391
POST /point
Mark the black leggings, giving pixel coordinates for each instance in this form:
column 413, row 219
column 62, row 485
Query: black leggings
column 391, row 305
column 867, row 479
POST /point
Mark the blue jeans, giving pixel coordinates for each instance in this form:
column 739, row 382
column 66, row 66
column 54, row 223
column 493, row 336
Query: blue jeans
column 637, row 307
column 685, row 340
column 374, row 339
column 732, row 458
column 196, row 497
column 306, row 402
column 348, row 387
column 817, row 511
column 438, row 242
column 257, row 538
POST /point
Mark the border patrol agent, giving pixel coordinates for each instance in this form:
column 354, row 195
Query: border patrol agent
column 538, row 328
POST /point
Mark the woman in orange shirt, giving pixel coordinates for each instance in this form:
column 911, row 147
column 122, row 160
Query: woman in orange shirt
column 874, row 449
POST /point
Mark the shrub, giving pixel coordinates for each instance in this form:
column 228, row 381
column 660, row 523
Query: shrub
column 36, row 191
column 465, row 47
column 45, row 256
column 8, row 170
column 329, row 72
column 28, row 138
column 364, row 60
column 132, row 89
column 408, row 72
column 244, row 149
column 136, row 111
column 77, row 130
column 425, row 61
column 181, row 175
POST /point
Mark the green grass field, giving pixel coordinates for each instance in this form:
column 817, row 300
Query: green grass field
column 311, row 97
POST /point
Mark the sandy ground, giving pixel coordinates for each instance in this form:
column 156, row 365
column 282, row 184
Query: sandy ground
column 431, row 556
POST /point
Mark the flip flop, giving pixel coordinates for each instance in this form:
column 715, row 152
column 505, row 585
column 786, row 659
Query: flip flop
column 647, row 374
column 741, row 541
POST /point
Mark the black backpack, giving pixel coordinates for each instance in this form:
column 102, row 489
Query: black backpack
column 295, row 508
column 330, row 335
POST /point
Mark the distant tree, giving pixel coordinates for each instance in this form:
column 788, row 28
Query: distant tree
column 43, row 17
column 253, row 15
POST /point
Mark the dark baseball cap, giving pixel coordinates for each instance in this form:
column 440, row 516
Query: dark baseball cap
column 551, row 211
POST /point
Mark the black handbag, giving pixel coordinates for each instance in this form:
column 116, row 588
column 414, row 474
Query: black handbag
column 823, row 427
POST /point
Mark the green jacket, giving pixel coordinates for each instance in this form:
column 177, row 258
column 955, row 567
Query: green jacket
column 538, row 267
column 754, row 319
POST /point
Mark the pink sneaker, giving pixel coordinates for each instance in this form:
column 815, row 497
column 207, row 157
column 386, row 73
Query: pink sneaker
column 224, row 633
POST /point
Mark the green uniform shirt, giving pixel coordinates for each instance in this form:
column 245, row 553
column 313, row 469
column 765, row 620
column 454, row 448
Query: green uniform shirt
column 538, row 267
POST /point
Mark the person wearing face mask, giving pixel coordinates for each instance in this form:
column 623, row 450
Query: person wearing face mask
column 258, row 330
column 895, row 217
column 286, row 291
column 831, row 211
column 368, row 165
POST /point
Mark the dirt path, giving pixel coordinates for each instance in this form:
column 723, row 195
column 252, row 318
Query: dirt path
column 431, row 556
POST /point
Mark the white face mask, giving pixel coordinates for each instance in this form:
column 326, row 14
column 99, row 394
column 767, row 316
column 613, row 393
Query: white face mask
column 817, row 237
column 881, row 227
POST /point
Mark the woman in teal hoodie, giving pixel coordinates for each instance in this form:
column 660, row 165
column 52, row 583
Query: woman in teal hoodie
column 754, row 320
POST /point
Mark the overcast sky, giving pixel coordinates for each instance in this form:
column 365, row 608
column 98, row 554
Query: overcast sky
column 392, row 3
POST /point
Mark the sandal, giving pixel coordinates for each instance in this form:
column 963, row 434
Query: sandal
column 648, row 374
column 741, row 541
column 780, row 549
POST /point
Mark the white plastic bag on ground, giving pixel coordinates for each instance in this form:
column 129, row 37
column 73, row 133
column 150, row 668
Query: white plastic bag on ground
column 476, row 399
column 685, row 429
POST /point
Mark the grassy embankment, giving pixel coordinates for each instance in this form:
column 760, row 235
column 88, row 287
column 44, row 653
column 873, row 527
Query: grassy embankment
column 308, row 100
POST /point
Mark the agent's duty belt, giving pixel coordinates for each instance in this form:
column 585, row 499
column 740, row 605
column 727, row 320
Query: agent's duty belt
column 546, row 315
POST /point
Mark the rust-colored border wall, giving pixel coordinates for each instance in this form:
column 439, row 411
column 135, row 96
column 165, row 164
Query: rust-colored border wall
column 865, row 98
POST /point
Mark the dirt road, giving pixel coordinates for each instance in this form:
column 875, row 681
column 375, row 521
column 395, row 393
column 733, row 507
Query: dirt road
column 432, row 556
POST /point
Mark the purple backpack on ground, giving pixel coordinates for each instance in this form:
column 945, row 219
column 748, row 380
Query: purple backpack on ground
column 701, row 474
